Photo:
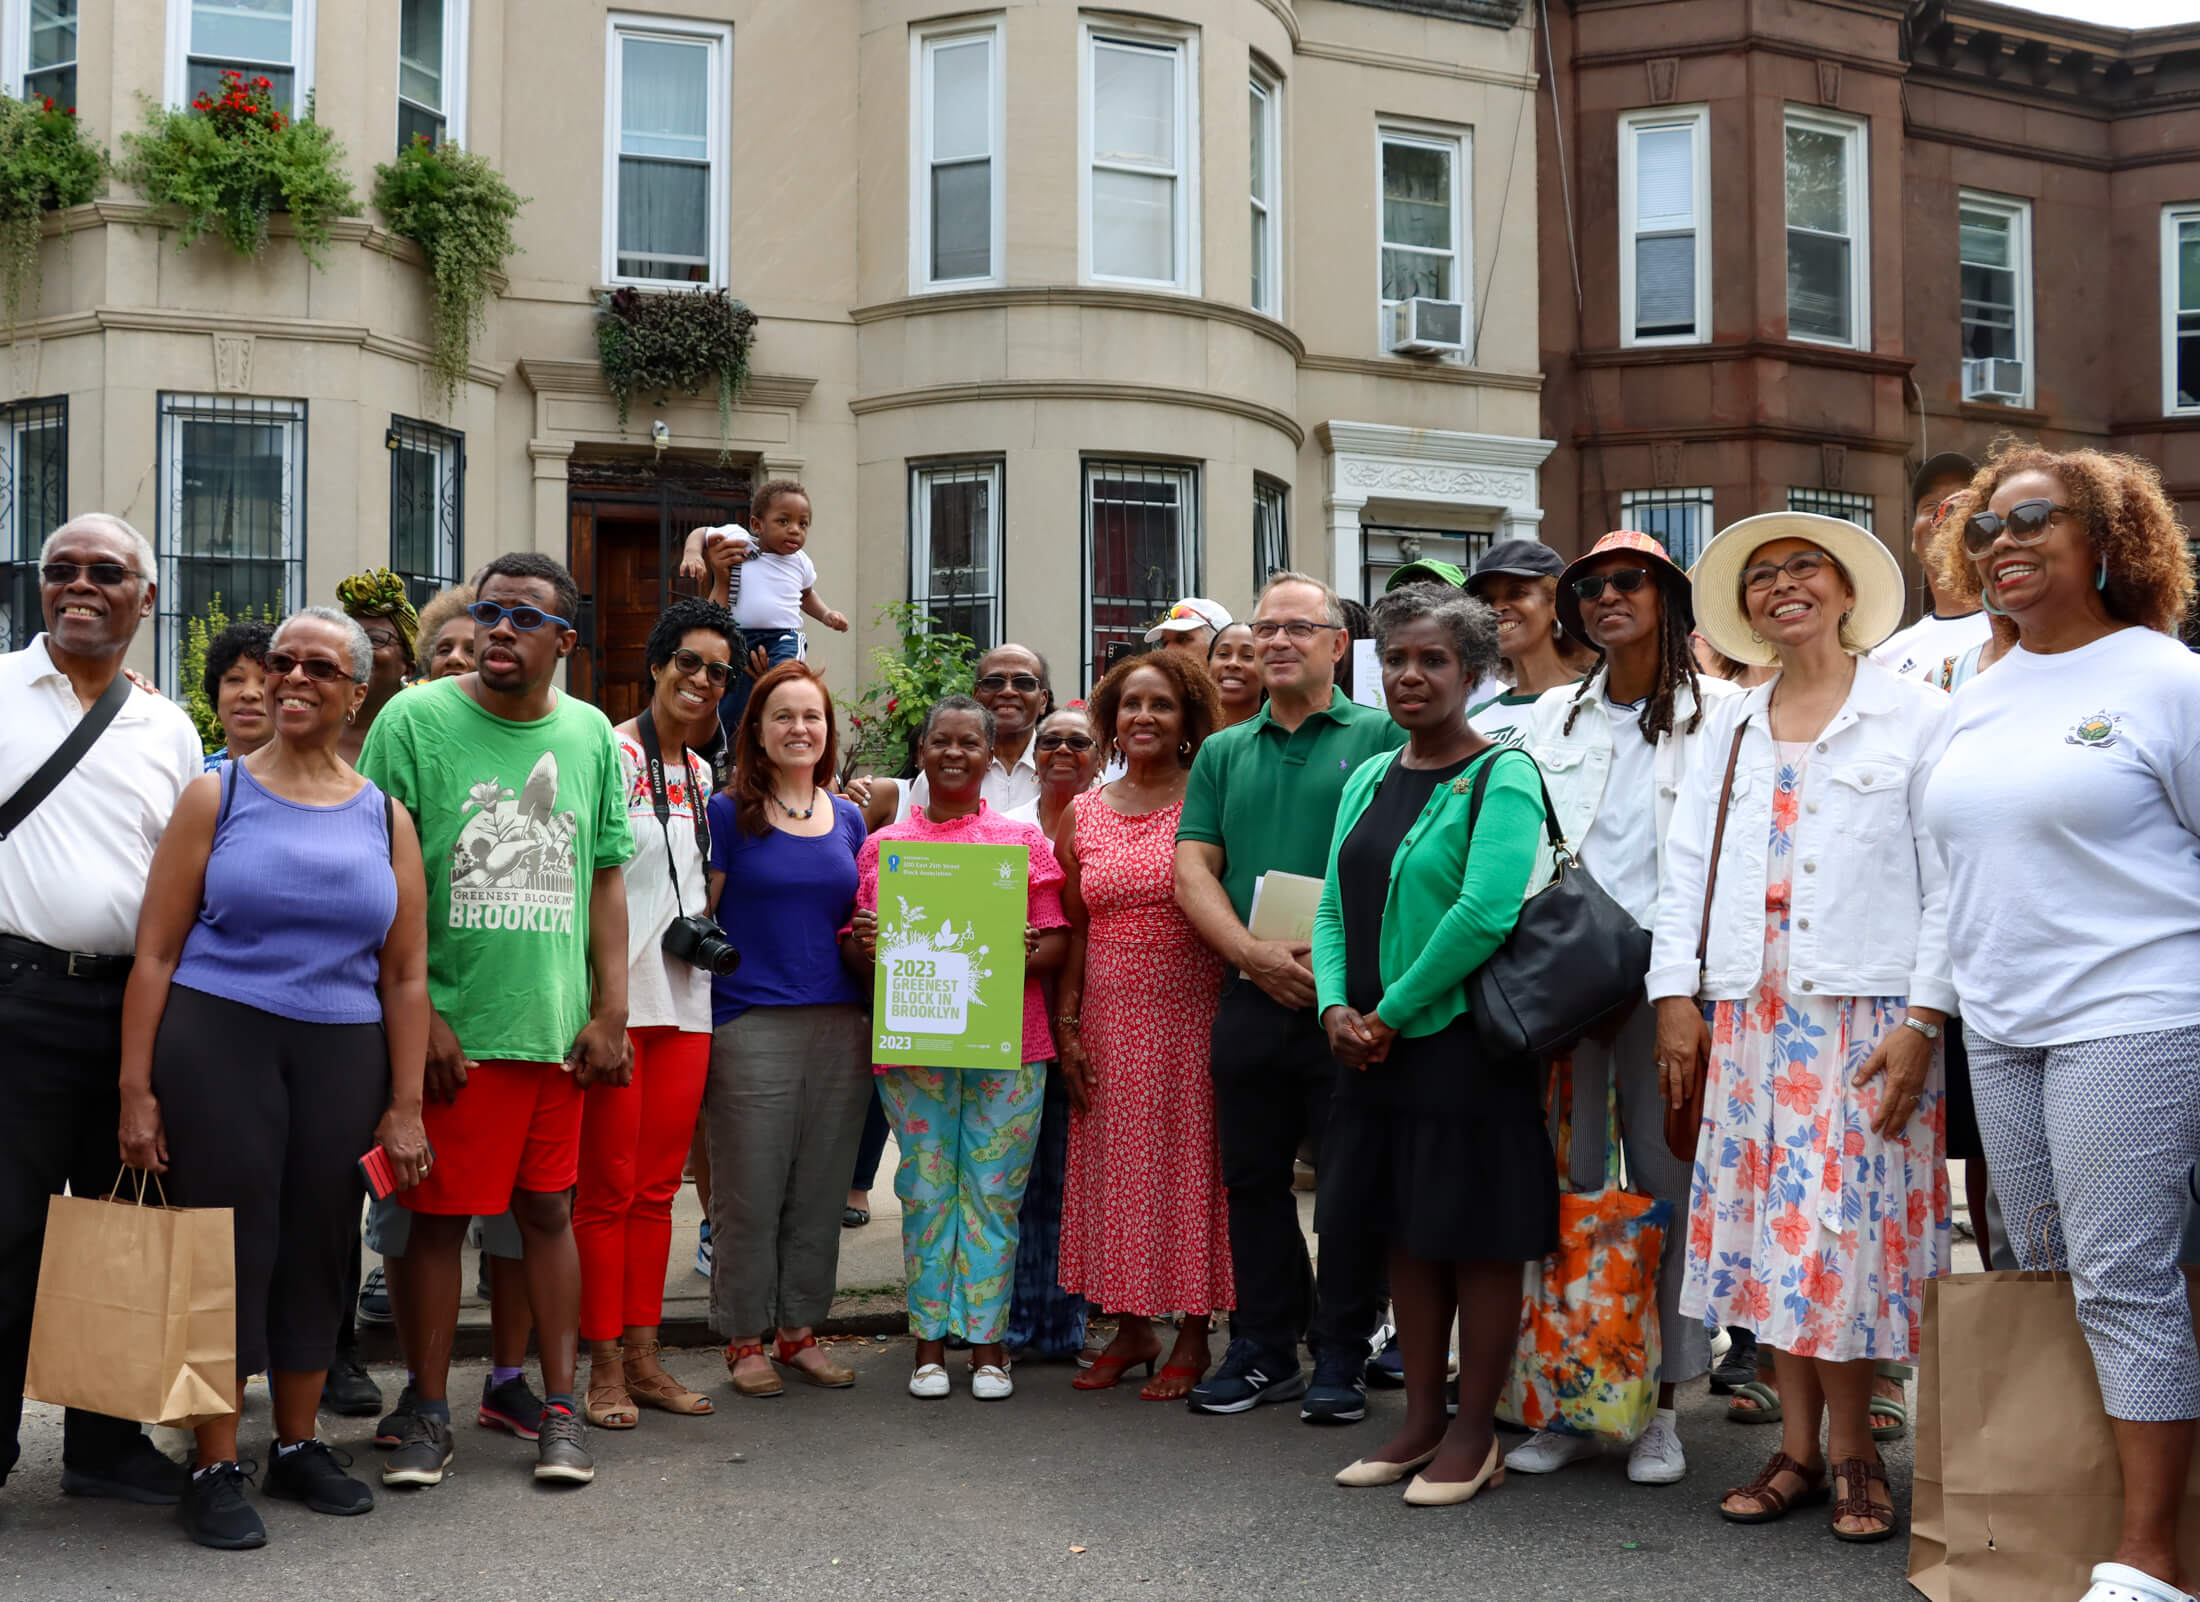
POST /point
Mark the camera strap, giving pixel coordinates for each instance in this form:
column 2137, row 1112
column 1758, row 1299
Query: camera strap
column 660, row 799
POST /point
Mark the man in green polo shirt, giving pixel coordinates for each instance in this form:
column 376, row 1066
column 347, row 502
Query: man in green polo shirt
column 1262, row 798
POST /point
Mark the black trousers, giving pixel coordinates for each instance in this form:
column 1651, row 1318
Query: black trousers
column 1273, row 1081
column 60, row 1057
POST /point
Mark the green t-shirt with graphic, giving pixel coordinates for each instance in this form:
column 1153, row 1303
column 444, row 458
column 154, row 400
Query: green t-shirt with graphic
column 514, row 821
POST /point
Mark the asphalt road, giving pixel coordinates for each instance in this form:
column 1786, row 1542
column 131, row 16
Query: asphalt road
column 867, row 1495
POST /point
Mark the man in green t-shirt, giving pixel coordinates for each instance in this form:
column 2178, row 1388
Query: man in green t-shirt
column 519, row 799
column 1262, row 797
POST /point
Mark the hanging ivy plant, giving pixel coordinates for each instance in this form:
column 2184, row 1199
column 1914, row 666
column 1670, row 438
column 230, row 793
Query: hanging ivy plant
column 682, row 342
column 233, row 160
column 459, row 210
column 46, row 163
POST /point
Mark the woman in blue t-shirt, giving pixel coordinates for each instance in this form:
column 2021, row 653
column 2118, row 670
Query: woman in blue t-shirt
column 790, row 1074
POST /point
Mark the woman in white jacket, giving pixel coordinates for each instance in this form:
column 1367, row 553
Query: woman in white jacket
column 1614, row 750
column 1820, row 1203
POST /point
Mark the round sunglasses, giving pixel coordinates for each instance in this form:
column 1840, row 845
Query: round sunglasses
column 693, row 662
column 2026, row 524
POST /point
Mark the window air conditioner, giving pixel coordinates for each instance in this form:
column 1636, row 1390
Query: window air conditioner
column 1995, row 378
column 1422, row 327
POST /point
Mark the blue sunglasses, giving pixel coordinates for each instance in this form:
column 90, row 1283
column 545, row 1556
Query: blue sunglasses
column 527, row 618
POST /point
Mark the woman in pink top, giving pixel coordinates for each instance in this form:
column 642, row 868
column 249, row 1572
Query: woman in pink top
column 966, row 1134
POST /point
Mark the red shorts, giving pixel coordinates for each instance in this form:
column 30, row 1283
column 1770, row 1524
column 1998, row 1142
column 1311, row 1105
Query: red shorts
column 515, row 1126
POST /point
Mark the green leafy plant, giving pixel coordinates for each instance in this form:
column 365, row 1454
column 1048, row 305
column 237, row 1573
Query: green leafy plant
column 930, row 662
column 198, row 634
column 232, row 161
column 458, row 209
column 679, row 342
column 46, row 163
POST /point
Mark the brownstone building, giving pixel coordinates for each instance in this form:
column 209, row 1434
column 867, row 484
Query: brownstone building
column 1789, row 249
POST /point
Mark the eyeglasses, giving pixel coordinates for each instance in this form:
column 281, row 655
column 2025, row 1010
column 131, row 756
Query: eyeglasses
column 1626, row 580
column 105, row 574
column 526, row 618
column 1799, row 566
column 1298, row 631
column 379, row 638
column 1021, row 683
column 317, row 668
column 2026, row 524
column 692, row 662
column 1067, row 742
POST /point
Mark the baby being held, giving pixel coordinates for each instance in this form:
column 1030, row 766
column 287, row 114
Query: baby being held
column 765, row 576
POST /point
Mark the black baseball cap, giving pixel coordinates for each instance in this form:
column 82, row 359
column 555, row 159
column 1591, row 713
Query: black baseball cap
column 1516, row 559
column 1947, row 464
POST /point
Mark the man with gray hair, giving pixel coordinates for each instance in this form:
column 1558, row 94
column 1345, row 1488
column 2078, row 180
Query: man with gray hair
column 72, row 874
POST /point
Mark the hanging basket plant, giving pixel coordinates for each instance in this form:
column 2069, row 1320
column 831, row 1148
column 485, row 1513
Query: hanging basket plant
column 46, row 163
column 233, row 160
column 691, row 342
column 459, row 210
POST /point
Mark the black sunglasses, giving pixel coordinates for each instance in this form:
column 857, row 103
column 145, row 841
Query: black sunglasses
column 1626, row 580
column 488, row 614
column 692, row 662
column 2026, row 524
column 1073, row 742
column 105, row 574
column 318, row 668
column 1021, row 683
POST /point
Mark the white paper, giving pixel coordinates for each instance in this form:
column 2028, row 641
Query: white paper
column 1367, row 674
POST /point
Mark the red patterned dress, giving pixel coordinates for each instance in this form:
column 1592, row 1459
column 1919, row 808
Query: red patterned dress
column 1145, row 1227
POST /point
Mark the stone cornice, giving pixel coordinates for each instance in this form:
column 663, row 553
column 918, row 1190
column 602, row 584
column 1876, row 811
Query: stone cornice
column 304, row 330
column 1432, row 447
column 1800, row 353
column 1406, row 370
column 358, row 231
column 1486, row 13
column 548, row 376
column 1091, row 295
column 1983, row 47
column 1078, row 389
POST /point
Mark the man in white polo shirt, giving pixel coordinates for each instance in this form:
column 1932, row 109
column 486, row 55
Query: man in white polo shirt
column 72, row 874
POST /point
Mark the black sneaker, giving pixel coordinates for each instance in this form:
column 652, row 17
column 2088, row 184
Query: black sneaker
column 214, row 1510
column 423, row 1454
column 314, row 1475
column 348, row 1391
column 1339, row 1392
column 559, row 1455
column 143, row 1474
column 374, row 1298
column 391, row 1430
column 1386, row 1370
column 511, row 1406
column 1247, row 1377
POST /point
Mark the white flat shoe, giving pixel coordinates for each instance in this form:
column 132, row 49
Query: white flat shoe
column 1426, row 1493
column 1368, row 1472
column 989, row 1383
column 929, row 1383
column 2119, row 1582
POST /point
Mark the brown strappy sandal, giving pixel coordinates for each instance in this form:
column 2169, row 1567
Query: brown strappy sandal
column 608, row 1405
column 653, row 1386
column 1771, row 1503
column 1859, row 1473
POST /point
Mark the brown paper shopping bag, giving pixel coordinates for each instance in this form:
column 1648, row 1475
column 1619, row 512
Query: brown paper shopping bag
column 1928, row 1521
column 137, row 1310
column 2030, row 1493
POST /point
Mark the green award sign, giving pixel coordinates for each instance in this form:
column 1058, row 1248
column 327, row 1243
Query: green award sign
column 950, row 986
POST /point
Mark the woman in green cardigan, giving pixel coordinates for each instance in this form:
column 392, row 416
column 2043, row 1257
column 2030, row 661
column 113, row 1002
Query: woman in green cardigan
column 1444, row 1156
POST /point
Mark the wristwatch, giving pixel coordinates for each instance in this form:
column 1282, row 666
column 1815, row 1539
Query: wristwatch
column 1929, row 1031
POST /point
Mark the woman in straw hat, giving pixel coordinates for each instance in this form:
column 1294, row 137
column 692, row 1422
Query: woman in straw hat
column 1804, row 901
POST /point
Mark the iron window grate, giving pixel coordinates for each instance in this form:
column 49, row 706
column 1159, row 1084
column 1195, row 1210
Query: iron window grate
column 34, row 501
column 232, row 511
column 1141, row 549
column 427, row 506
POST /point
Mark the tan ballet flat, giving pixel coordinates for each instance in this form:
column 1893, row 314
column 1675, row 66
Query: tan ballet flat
column 1368, row 1471
column 1428, row 1493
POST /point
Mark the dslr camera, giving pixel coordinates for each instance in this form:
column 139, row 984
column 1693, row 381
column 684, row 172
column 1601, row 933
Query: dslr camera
column 699, row 942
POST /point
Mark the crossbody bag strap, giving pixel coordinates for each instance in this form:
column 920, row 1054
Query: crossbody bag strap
column 66, row 756
column 1718, row 839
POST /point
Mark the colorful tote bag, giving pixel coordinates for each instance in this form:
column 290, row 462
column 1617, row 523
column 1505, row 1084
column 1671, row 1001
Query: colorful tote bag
column 1587, row 1359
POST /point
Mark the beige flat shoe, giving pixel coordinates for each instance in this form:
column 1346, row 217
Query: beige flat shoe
column 765, row 1384
column 607, row 1404
column 653, row 1387
column 1368, row 1471
column 824, row 1372
column 1427, row 1493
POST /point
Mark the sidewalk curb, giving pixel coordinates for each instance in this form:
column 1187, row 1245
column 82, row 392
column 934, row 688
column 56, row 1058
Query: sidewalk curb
column 856, row 1316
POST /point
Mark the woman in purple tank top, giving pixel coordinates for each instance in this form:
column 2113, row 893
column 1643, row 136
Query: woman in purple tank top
column 275, row 1028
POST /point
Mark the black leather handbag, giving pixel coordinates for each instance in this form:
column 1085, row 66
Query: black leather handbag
column 1574, row 962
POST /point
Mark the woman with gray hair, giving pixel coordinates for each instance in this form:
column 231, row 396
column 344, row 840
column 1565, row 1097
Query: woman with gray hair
column 276, row 1026
column 1442, row 1154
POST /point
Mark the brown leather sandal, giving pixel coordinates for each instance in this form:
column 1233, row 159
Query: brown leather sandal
column 828, row 1374
column 765, row 1384
column 608, row 1404
column 1856, row 1503
column 653, row 1387
column 1773, row 1504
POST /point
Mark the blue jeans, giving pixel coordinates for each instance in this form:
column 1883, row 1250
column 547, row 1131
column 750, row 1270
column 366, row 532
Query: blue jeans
column 778, row 645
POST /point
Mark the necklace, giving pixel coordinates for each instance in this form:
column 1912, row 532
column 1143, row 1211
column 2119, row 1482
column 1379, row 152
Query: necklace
column 796, row 812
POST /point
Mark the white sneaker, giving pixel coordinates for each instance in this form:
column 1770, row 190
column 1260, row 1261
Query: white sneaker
column 1657, row 1458
column 1548, row 1451
column 991, row 1384
column 928, row 1383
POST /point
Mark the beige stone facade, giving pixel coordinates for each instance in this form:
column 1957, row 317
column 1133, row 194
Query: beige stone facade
column 1061, row 307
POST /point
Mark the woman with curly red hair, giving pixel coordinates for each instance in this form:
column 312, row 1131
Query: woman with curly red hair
column 2066, row 802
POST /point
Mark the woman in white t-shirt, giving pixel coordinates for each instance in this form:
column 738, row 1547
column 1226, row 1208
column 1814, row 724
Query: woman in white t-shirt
column 2066, row 802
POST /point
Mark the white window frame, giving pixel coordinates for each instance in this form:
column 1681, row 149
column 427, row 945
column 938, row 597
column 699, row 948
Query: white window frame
column 2174, row 217
column 719, row 37
column 922, row 476
column 1458, row 144
column 1271, row 506
column 1184, row 44
column 1264, row 102
column 177, row 69
column 15, row 46
column 1857, row 136
column 2017, row 212
column 924, row 43
column 1696, row 499
column 456, row 27
column 1697, row 119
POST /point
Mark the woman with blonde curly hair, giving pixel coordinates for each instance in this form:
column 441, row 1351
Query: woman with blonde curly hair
column 2073, row 763
column 447, row 634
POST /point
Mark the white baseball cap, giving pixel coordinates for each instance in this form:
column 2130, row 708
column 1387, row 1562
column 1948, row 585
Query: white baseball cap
column 1188, row 614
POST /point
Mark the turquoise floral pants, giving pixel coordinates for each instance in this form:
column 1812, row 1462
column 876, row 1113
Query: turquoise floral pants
column 966, row 1137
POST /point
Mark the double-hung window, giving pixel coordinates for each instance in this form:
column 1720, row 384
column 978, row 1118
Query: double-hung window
column 431, row 71
column 1665, row 232
column 955, row 547
column 39, row 49
column 2180, row 309
column 271, row 39
column 427, row 506
column 1423, row 248
column 1828, row 243
column 664, row 151
column 1141, row 549
column 232, row 511
column 34, row 501
column 1271, row 529
column 1266, row 168
column 1141, row 160
column 955, row 200
column 1678, row 519
column 1994, row 250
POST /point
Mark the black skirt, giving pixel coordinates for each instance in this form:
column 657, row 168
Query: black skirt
column 1442, row 1153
